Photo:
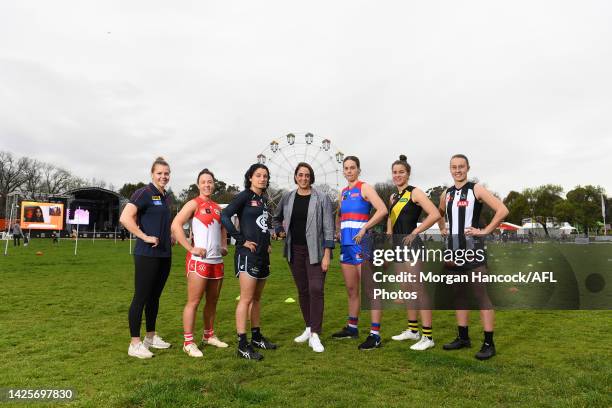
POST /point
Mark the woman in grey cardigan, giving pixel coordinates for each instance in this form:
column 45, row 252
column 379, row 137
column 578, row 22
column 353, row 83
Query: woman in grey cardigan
column 306, row 216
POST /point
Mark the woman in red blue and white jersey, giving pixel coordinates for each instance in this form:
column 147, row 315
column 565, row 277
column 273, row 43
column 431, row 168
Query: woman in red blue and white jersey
column 204, row 260
column 356, row 203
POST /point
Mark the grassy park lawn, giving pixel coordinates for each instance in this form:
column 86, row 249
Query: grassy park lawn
column 64, row 325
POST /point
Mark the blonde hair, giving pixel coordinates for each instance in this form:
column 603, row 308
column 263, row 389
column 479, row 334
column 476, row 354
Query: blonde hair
column 159, row 161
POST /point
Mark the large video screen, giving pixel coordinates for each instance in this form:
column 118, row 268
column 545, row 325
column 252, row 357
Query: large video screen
column 44, row 216
column 78, row 216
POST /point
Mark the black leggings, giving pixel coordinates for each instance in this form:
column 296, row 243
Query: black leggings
column 150, row 277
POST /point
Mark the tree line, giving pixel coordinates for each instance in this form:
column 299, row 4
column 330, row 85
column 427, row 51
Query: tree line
column 580, row 206
column 35, row 179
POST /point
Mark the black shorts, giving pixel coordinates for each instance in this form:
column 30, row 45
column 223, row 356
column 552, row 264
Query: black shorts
column 459, row 245
column 256, row 265
column 415, row 246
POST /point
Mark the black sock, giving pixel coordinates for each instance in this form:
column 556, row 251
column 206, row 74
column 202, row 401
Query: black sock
column 242, row 340
column 255, row 334
column 463, row 332
column 488, row 337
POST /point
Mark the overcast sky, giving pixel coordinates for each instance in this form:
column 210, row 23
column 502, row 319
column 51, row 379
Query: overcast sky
column 102, row 88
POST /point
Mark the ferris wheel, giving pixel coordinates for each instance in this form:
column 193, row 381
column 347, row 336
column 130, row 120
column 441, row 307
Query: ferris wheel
column 281, row 157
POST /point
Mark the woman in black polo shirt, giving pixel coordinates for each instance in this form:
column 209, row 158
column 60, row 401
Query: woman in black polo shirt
column 148, row 217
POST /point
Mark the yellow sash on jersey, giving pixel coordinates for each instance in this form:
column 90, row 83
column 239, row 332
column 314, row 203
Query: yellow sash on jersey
column 399, row 206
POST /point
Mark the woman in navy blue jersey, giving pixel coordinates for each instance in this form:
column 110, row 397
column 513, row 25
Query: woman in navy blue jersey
column 252, row 256
column 148, row 216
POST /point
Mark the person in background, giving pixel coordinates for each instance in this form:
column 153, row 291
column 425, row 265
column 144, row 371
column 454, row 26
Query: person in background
column 17, row 233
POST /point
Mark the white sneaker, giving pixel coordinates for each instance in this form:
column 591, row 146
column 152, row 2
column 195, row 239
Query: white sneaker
column 315, row 343
column 156, row 342
column 192, row 350
column 139, row 351
column 424, row 344
column 214, row 341
column 303, row 338
column 407, row 335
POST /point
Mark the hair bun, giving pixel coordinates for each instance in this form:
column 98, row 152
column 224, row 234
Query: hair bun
column 160, row 158
column 403, row 157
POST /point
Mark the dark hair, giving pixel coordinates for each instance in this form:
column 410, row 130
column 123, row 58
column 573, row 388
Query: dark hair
column 353, row 158
column 205, row 171
column 309, row 167
column 249, row 173
column 461, row 156
column 402, row 162
column 161, row 161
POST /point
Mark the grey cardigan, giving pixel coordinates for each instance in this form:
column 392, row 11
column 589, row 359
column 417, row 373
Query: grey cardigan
column 320, row 227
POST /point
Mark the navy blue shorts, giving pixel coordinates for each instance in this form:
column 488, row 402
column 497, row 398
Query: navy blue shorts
column 256, row 265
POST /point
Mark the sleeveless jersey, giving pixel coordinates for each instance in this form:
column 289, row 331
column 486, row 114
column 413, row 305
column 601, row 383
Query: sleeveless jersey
column 462, row 211
column 404, row 213
column 354, row 213
column 206, row 231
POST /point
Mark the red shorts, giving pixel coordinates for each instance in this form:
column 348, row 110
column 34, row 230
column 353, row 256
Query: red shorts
column 204, row 270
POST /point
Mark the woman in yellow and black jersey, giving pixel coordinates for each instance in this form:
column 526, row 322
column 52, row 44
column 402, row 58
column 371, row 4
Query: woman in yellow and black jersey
column 406, row 206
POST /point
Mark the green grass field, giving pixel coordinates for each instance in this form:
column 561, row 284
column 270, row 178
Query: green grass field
column 64, row 325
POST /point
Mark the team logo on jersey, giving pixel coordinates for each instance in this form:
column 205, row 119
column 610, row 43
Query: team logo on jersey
column 463, row 203
column 262, row 222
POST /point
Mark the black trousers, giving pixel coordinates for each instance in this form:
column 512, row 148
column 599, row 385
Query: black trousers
column 150, row 278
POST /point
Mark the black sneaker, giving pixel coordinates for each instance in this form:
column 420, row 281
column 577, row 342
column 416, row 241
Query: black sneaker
column 486, row 351
column 248, row 353
column 346, row 333
column 373, row 341
column 457, row 344
column 263, row 344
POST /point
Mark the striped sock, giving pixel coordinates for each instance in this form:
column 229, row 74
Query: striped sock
column 188, row 338
column 375, row 329
column 413, row 326
column 208, row 334
column 352, row 323
column 427, row 331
